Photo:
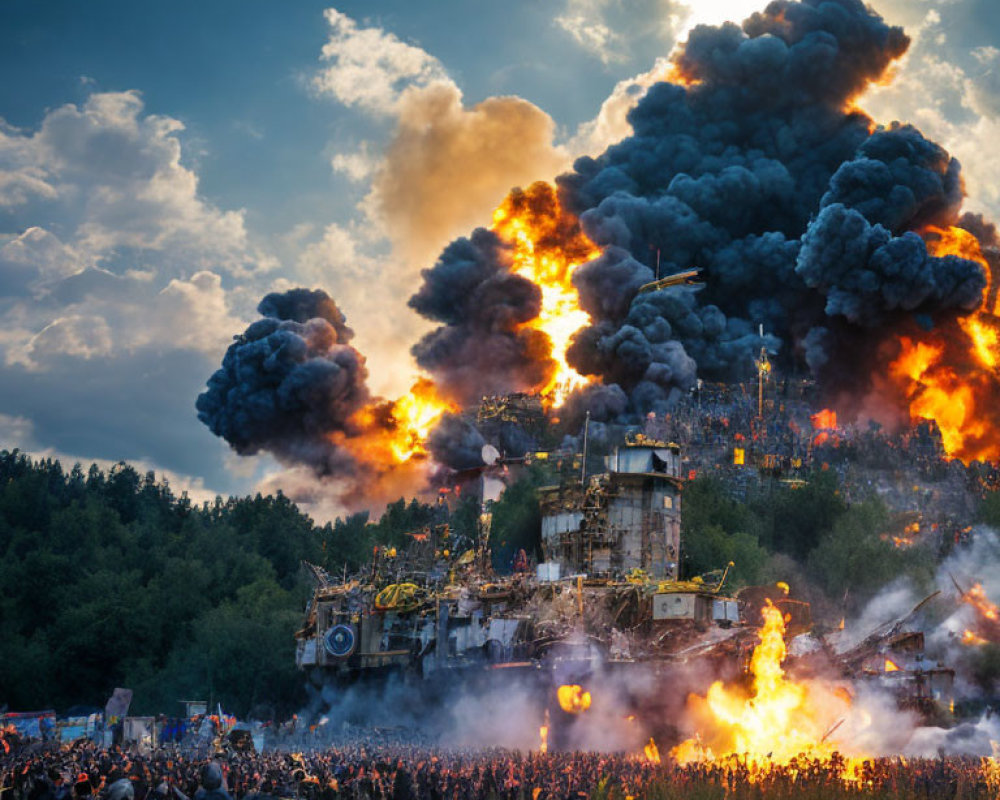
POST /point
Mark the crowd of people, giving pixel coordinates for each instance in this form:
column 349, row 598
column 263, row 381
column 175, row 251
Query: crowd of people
column 367, row 769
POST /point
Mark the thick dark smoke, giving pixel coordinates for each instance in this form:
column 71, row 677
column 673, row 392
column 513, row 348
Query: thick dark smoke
column 479, row 349
column 456, row 443
column 801, row 214
column 289, row 383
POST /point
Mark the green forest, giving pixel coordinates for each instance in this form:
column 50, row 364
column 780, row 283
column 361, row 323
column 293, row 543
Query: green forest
column 107, row 578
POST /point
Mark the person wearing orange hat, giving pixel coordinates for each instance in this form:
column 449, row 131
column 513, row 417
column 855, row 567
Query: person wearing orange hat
column 82, row 787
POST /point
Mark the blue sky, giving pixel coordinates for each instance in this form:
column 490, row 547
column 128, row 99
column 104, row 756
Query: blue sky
column 163, row 165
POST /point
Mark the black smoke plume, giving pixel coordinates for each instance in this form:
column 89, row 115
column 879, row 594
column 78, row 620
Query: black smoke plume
column 480, row 348
column 289, row 384
column 755, row 167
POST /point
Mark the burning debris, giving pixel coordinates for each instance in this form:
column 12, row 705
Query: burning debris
column 755, row 224
column 292, row 385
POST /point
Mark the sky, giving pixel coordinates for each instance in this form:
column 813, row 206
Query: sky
column 164, row 165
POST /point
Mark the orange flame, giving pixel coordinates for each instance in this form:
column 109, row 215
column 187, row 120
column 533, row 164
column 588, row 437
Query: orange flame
column 890, row 666
column 543, row 733
column 652, row 752
column 573, row 699
column 396, row 432
column 976, row 597
column 971, row 638
column 956, row 399
column 779, row 720
column 548, row 245
column 824, row 420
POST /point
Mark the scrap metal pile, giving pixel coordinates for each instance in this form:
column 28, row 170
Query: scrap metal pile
column 604, row 604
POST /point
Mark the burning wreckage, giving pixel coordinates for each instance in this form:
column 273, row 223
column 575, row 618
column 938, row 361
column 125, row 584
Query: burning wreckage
column 751, row 195
column 605, row 602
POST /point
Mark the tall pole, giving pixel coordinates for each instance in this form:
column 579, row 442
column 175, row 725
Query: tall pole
column 583, row 465
column 762, row 366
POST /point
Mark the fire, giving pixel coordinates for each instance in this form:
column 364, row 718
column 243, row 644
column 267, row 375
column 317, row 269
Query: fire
column 543, row 733
column 652, row 752
column 907, row 538
column 573, row 699
column 958, row 400
column 971, row 638
column 959, row 242
column 976, row 597
column 779, row 720
column 415, row 415
column 548, row 245
column 890, row 666
column 396, row 432
column 824, row 420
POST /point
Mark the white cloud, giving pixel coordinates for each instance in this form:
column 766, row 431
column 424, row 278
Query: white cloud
column 16, row 432
column 370, row 68
column 335, row 256
column 140, row 255
column 190, row 314
column 112, row 176
column 611, row 123
column 34, row 257
column 74, row 336
column 616, row 31
column 95, row 313
column 584, row 22
column 357, row 166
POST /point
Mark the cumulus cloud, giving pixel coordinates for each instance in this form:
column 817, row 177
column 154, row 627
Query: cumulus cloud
column 76, row 335
column 34, row 257
column 114, row 174
column 357, row 166
column 137, row 248
column 370, row 67
column 120, row 284
column 611, row 123
column 97, row 313
column 615, row 31
column 448, row 166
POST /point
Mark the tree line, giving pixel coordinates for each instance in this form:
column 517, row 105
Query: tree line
column 107, row 578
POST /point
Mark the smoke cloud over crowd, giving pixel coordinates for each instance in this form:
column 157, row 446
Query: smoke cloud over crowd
column 752, row 164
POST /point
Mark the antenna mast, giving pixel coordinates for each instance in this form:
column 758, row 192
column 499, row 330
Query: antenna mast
column 763, row 370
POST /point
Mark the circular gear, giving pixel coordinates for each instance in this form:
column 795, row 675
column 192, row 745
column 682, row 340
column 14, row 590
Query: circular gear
column 340, row 641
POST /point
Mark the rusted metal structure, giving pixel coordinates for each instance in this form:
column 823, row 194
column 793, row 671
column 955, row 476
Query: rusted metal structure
column 609, row 578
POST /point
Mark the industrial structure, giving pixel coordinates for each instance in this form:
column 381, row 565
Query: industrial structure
column 605, row 597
